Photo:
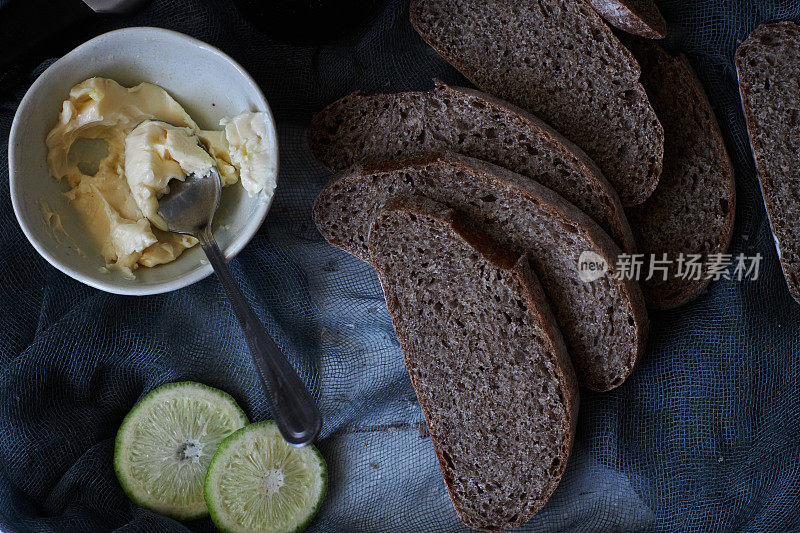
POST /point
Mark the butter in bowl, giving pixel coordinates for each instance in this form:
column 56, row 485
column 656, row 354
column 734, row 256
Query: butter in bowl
column 116, row 197
column 96, row 220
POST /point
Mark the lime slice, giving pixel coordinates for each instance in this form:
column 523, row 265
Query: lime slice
column 165, row 443
column 257, row 482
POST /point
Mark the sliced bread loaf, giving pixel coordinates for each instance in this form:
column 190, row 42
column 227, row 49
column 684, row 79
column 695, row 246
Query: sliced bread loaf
column 639, row 17
column 692, row 209
column 768, row 63
column 485, row 357
column 380, row 127
column 604, row 321
column 558, row 60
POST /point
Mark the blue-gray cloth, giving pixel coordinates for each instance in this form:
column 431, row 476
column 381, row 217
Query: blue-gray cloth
column 705, row 435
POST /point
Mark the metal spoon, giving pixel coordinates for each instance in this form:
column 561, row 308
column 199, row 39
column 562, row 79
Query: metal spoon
column 189, row 208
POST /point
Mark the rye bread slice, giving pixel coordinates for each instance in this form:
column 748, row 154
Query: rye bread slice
column 638, row 17
column 486, row 359
column 380, row 127
column 558, row 60
column 692, row 209
column 768, row 64
column 604, row 322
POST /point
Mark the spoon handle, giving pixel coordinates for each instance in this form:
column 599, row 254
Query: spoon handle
column 295, row 412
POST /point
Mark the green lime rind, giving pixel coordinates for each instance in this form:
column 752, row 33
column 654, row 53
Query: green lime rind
column 304, row 475
column 146, row 449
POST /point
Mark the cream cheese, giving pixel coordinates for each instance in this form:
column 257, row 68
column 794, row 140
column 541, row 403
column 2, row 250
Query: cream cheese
column 252, row 148
column 118, row 204
column 155, row 154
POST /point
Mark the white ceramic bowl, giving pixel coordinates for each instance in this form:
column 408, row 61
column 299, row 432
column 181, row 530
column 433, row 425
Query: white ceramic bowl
column 209, row 84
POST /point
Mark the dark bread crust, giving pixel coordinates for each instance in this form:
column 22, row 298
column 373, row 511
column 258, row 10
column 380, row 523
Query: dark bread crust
column 692, row 210
column 583, row 83
column 413, row 215
column 638, row 17
column 604, row 321
column 769, row 83
column 372, row 128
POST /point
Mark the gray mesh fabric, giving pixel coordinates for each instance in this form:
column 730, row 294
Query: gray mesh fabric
column 704, row 436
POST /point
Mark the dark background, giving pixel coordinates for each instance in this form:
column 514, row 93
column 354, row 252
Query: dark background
column 704, row 436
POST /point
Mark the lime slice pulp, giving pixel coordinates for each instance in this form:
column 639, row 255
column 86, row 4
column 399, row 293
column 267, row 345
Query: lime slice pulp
column 166, row 442
column 258, row 482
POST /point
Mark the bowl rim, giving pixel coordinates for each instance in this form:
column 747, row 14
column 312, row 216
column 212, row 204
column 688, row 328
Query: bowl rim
column 184, row 280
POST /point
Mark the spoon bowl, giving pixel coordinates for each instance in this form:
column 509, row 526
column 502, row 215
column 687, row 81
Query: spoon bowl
column 190, row 204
